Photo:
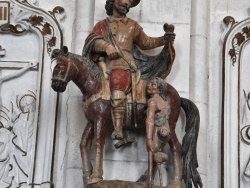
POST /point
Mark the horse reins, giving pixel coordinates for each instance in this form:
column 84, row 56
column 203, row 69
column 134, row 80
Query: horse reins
column 54, row 63
column 88, row 101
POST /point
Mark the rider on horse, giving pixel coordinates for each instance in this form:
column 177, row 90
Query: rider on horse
column 114, row 38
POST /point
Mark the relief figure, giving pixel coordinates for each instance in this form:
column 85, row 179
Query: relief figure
column 16, row 144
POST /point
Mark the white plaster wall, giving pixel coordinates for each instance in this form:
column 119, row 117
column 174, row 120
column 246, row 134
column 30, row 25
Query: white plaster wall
column 218, row 10
column 151, row 15
column 66, row 143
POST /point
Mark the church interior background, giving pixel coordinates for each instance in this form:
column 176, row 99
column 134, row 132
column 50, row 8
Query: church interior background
column 212, row 56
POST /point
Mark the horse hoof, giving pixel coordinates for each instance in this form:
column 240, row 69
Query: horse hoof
column 117, row 135
column 174, row 185
column 92, row 180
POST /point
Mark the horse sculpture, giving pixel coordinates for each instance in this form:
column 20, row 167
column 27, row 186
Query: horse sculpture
column 89, row 79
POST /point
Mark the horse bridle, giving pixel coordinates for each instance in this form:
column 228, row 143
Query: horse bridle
column 54, row 63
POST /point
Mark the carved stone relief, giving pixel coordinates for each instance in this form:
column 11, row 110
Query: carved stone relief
column 236, row 104
column 245, row 131
column 26, row 100
column 16, row 140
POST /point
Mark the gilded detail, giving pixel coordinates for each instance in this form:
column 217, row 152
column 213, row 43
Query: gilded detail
column 12, row 29
column 46, row 30
column 57, row 10
column 237, row 42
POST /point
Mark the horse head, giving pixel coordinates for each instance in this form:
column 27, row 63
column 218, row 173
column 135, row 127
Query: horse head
column 63, row 69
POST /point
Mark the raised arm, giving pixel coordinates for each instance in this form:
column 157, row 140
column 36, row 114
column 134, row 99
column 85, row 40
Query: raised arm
column 146, row 43
column 18, row 73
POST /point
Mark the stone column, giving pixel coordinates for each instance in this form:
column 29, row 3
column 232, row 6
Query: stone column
column 84, row 22
column 198, row 75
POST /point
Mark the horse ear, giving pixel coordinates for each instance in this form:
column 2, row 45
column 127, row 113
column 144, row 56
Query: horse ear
column 65, row 49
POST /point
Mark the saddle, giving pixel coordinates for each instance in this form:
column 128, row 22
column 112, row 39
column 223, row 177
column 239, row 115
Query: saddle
column 138, row 96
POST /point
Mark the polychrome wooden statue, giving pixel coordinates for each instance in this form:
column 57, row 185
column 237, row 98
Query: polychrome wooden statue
column 112, row 74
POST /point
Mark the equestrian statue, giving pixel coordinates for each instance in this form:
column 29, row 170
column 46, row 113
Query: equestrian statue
column 120, row 84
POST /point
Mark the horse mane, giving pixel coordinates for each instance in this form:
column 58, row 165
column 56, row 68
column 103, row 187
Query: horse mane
column 57, row 52
column 92, row 68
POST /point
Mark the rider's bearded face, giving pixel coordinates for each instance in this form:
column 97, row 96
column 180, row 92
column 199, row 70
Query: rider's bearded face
column 122, row 6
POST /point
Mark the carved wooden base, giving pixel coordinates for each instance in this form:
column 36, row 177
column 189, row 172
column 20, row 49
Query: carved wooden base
column 118, row 184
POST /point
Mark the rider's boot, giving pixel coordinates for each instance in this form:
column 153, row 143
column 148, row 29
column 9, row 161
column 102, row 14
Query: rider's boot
column 118, row 99
column 118, row 115
column 128, row 138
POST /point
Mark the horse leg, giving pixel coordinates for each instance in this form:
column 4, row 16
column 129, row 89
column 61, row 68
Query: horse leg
column 144, row 177
column 99, row 133
column 175, row 148
column 85, row 147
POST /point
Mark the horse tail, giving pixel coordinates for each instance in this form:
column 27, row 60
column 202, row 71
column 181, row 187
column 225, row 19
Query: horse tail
column 189, row 145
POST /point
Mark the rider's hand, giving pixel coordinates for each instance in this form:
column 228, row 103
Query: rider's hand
column 150, row 145
column 170, row 36
column 133, row 67
column 112, row 52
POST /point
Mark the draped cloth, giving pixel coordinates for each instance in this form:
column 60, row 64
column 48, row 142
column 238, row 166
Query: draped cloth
column 150, row 66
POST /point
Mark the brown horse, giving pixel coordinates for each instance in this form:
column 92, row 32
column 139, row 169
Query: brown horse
column 89, row 79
